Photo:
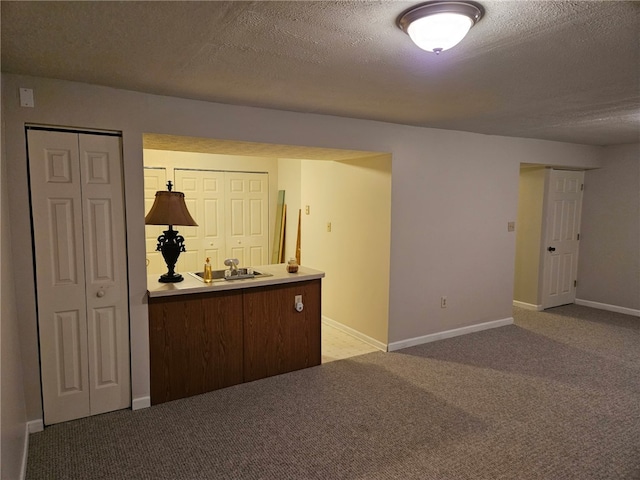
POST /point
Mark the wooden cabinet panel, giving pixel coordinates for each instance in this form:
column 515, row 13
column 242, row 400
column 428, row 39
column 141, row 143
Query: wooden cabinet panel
column 195, row 344
column 206, row 341
column 277, row 338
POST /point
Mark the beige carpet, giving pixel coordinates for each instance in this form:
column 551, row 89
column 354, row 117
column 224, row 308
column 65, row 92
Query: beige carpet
column 555, row 396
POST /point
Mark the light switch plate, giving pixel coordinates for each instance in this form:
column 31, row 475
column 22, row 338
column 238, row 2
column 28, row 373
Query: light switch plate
column 511, row 226
column 26, row 97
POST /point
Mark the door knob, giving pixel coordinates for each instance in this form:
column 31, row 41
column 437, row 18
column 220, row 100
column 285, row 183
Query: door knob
column 552, row 249
column 100, row 293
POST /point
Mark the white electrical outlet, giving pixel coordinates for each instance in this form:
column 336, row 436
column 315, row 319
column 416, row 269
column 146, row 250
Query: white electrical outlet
column 443, row 302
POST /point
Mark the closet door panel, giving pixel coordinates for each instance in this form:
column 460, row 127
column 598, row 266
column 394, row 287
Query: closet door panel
column 204, row 197
column 154, row 179
column 105, row 272
column 54, row 170
column 247, row 217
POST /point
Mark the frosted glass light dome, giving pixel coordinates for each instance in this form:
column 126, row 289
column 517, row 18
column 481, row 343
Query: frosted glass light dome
column 439, row 32
column 440, row 25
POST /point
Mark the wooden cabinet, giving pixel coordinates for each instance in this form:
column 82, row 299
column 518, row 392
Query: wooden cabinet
column 277, row 338
column 206, row 341
column 195, row 344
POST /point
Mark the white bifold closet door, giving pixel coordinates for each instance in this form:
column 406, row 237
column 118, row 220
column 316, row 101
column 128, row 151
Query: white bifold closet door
column 81, row 278
column 232, row 213
column 247, row 217
column 154, row 179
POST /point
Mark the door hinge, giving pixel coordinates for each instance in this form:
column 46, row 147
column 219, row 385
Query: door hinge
column 581, row 187
column 578, row 236
column 575, row 283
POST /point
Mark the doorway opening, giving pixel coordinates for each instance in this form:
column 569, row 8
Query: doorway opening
column 547, row 238
column 341, row 201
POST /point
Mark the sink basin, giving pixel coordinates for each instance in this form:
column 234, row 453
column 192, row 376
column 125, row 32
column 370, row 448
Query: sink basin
column 243, row 273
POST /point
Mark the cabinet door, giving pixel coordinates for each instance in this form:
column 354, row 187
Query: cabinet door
column 195, row 344
column 277, row 338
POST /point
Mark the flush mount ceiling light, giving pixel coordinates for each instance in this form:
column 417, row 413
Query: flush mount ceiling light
column 438, row 26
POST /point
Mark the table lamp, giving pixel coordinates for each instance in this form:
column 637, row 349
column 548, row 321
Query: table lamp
column 169, row 209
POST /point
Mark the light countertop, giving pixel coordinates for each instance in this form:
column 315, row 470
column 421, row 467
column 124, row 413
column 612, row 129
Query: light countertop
column 192, row 284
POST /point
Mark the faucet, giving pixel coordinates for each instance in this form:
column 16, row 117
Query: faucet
column 232, row 263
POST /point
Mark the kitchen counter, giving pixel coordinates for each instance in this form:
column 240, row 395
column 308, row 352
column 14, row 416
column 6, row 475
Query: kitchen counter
column 191, row 284
column 206, row 336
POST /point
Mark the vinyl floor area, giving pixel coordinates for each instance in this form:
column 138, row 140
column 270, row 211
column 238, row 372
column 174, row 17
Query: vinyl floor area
column 338, row 345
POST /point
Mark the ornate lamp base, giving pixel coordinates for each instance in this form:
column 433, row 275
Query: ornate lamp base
column 166, row 278
column 170, row 245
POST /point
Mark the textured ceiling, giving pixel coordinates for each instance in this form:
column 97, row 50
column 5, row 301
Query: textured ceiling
column 556, row 70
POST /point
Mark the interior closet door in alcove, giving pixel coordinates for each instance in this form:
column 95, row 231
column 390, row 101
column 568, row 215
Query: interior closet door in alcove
column 247, row 217
column 232, row 213
column 204, row 196
column 80, row 260
column 154, row 179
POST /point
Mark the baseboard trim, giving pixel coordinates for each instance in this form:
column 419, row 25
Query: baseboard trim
column 25, row 453
column 412, row 342
column 528, row 306
column 35, row 426
column 140, row 403
column 354, row 333
column 610, row 308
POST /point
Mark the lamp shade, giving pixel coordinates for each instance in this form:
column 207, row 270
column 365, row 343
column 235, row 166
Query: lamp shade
column 439, row 25
column 169, row 209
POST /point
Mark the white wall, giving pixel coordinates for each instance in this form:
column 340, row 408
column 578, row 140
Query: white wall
column 355, row 197
column 609, row 257
column 529, row 234
column 14, row 416
column 452, row 196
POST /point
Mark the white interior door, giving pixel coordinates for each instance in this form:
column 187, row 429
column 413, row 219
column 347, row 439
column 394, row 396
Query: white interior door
column 204, row 196
column 78, row 222
column 105, row 272
column 247, row 217
column 564, row 206
column 154, row 179
column 54, row 168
